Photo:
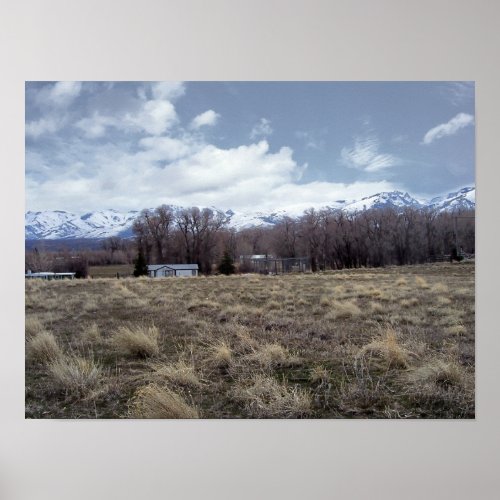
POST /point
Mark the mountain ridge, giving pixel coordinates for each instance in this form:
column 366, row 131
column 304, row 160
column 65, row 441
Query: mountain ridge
column 58, row 224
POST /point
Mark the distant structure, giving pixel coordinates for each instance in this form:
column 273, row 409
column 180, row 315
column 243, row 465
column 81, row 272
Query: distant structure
column 49, row 276
column 169, row 270
column 268, row 264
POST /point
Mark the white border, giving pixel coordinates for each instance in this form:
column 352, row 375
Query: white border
column 247, row 40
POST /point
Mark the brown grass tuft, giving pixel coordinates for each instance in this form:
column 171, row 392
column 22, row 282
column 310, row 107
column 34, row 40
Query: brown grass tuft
column 438, row 372
column 74, row 374
column 220, row 355
column 91, row 334
column 153, row 401
column 270, row 356
column 344, row 310
column 32, row 326
column 180, row 373
column 264, row 397
column 43, row 348
column 386, row 347
column 139, row 341
column 421, row 283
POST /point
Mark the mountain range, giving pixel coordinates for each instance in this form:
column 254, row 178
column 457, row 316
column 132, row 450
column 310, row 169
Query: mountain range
column 59, row 224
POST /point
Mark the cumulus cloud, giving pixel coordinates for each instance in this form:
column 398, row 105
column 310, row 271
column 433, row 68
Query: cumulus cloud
column 185, row 172
column 261, row 129
column 364, row 155
column 63, row 93
column 155, row 117
column 209, row 117
column 167, row 90
column 165, row 148
column 450, row 128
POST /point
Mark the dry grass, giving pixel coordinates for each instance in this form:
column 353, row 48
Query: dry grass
column 421, row 283
column 153, row 401
column 264, row 397
column 359, row 343
column 32, row 326
column 269, row 356
column 387, row 348
column 438, row 372
column 75, row 374
column 220, row 355
column 91, row 334
column 139, row 341
column 180, row 373
column 43, row 348
column 344, row 310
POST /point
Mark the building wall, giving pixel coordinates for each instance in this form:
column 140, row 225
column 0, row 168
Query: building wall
column 186, row 272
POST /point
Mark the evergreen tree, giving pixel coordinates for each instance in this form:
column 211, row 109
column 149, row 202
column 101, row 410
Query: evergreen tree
column 141, row 267
column 226, row 265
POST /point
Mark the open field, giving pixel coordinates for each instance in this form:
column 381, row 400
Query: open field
column 124, row 270
column 393, row 342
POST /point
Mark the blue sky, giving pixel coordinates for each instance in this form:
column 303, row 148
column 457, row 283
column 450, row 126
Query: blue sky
column 243, row 145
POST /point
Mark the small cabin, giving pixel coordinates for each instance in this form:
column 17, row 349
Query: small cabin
column 168, row 270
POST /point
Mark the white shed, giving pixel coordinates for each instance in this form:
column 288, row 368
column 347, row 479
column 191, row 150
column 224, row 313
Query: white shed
column 166, row 270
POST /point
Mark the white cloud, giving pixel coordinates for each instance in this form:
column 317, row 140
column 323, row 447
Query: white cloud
column 209, row 117
column 168, row 90
column 450, row 128
column 63, row 93
column 186, row 172
column 96, row 125
column 155, row 117
column 42, row 126
column 261, row 129
column 364, row 155
column 165, row 148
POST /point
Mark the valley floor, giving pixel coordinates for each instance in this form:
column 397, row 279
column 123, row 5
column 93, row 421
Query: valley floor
column 394, row 342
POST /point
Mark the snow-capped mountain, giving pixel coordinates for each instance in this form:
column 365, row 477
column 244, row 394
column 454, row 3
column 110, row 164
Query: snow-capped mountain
column 392, row 199
column 57, row 224
column 105, row 223
column 465, row 199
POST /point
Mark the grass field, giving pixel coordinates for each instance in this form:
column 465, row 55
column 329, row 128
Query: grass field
column 124, row 270
column 381, row 343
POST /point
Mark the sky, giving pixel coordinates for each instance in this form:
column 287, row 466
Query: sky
column 245, row 146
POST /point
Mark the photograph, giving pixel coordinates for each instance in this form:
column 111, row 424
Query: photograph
column 250, row 249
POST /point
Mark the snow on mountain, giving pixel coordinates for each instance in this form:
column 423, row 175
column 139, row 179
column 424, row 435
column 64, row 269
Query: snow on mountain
column 464, row 199
column 393, row 199
column 258, row 219
column 58, row 224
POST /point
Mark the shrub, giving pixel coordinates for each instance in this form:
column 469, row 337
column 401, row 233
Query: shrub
column 140, row 341
column 153, row 401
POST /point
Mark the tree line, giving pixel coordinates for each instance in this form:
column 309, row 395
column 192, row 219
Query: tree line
column 330, row 239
